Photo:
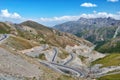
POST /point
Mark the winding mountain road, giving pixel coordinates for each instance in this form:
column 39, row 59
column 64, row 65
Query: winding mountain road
column 60, row 68
column 55, row 54
column 3, row 37
column 63, row 67
column 78, row 72
column 69, row 59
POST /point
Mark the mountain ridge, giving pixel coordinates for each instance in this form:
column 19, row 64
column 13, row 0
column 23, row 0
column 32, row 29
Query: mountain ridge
column 93, row 29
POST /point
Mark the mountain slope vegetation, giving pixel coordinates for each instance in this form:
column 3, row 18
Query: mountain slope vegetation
column 112, row 46
column 109, row 60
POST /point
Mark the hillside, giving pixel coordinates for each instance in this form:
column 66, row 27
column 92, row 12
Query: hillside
column 110, row 77
column 35, row 25
column 109, row 60
column 18, row 43
column 112, row 46
column 4, row 28
column 44, row 35
column 110, row 65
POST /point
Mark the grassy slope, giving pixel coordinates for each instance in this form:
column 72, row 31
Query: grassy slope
column 110, row 77
column 109, row 60
column 36, row 25
column 112, row 46
column 4, row 28
column 43, row 32
column 18, row 43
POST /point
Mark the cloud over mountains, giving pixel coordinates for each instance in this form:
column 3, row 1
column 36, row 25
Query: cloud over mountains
column 5, row 15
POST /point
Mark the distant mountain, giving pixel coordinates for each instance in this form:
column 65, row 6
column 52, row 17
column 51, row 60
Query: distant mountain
column 35, row 25
column 93, row 29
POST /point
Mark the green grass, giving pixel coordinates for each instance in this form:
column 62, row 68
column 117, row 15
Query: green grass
column 110, row 77
column 42, row 57
column 110, row 47
column 109, row 60
column 82, row 58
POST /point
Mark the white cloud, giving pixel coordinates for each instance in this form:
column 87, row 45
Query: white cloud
column 57, row 20
column 101, row 15
column 15, row 15
column 112, row 0
column 5, row 13
column 95, row 14
column 88, row 5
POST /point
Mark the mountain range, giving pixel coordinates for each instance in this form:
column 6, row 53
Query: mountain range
column 93, row 29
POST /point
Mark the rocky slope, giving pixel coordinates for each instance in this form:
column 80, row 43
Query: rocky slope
column 94, row 29
column 17, row 66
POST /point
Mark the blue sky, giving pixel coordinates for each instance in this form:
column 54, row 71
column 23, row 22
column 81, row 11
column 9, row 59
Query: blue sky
column 51, row 12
